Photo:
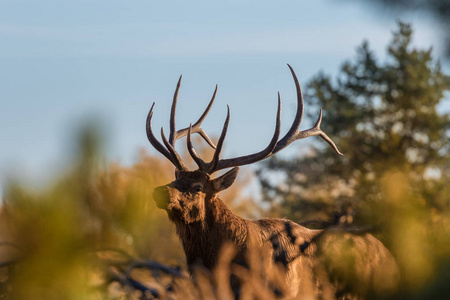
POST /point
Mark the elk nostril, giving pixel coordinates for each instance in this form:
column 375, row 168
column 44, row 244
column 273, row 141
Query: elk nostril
column 161, row 196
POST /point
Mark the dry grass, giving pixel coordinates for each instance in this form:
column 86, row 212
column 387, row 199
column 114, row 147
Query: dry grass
column 95, row 233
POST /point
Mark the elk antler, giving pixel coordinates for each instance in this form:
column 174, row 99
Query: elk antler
column 293, row 134
column 169, row 152
column 274, row 146
column 217, row 164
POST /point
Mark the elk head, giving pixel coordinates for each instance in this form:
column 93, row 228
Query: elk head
column 185, row 199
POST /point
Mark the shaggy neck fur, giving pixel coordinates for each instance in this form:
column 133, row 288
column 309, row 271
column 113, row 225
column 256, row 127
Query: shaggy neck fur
column 203, row 240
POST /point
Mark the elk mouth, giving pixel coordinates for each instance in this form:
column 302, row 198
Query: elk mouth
column 161, row 197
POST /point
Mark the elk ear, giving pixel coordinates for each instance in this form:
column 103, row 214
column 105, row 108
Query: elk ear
column 225, row 181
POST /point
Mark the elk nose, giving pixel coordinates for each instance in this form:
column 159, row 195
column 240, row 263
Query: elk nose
column 161, row 196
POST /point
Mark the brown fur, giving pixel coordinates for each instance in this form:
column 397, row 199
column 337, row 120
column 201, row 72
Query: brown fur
column 309, row 260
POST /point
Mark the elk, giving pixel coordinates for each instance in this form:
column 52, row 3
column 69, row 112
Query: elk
column 204, row 223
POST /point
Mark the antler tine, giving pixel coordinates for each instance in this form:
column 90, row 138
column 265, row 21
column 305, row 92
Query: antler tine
column 176, row 158
column 294, row 134
column 196, row 127
column 212, row 166
column 315, row 130
column 169, row 151
column 286, row 140
column 203, row 116
column 201, row 164
column 248, row 159
column 172, row 113
column 152, row 139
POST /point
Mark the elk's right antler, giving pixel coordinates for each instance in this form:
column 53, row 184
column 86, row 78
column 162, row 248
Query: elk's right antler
column 217, row 164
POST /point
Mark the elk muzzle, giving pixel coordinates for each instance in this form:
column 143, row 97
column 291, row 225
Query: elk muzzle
column 161, row 196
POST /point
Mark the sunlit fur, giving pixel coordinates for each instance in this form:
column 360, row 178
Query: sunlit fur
column 307, row 260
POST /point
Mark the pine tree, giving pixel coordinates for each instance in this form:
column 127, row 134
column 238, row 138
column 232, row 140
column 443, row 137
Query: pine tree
column 384, row 117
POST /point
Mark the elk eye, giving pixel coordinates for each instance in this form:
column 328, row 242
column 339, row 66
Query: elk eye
column 196, row 189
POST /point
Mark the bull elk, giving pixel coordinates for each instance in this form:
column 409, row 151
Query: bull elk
column 204, row 223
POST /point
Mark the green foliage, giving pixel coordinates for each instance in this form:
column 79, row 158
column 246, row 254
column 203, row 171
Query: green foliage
column 68, row 240
column 93, row 233
column 383, row 117
column 395, row 172
column 51, row 237
column 438, row 9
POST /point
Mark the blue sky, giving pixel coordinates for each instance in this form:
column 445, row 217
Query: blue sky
column 63, row 63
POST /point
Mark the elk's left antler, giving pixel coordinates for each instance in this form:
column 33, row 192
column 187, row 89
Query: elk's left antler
column 174, row 135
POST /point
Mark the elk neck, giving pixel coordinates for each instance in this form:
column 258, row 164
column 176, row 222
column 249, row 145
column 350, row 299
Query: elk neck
column 203, row 240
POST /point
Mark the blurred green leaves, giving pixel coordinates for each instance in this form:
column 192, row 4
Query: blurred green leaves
column 395, row 173
column 58, row 229
column 94, row 232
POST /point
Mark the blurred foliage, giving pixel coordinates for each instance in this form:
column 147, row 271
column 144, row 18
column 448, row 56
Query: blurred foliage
column 95, row 232
column 438, row 9
column 395, row 173
column 383, row 117
column 88, row 229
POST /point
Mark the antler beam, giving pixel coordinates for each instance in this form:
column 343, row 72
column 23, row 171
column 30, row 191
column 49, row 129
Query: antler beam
column 217, row 164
